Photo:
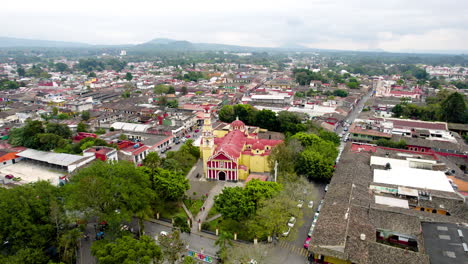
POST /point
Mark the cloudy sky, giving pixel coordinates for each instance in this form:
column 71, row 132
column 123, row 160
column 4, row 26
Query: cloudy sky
column 392, row 25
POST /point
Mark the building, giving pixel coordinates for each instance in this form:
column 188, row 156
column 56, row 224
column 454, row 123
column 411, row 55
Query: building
column 376, row 207
column 58, row 161
column 102, row 153
column 235, row 154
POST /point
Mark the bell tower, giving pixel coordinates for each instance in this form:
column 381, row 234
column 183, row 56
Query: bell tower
column 207, row 144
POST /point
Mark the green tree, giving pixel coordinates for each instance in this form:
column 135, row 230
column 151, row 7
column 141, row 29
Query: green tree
column 61, row 130
column 62, row 116
column 172, row 246
column 61, row 67
column 26, row 136
column 152, row 161
column 266, row 119
column 172, row 104
column 258, row 190
column 127, row 250
column 54, row 111
column 171, row 90
column 191, row 149
column 25, row 216
column 170, row 185
column 340, row 93
column 49, row 141
column 314, row 166
column 162, row 100
column 85, row 115
column 352, row 85
column 290, row 123
column 246, row 113
column 233, row 203
column 161, row 89
column 82, row 127
column 272, row 216
column 128, row 76
column 21, row 72
column 184, row 90
column 111, row 191
column 92, row 75
column 329, row 136
column 397, row 110
column 224, row 241
column 68, row 244
column 454, row 109
column 226, row 114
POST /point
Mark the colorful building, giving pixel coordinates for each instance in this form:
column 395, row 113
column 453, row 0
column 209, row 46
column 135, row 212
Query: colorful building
column 232, row 156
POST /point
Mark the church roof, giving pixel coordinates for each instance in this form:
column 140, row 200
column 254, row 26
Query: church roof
column 232, row 143
column 237, row 123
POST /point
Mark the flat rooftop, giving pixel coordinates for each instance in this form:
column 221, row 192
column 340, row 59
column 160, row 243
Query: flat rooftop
column 417, row 178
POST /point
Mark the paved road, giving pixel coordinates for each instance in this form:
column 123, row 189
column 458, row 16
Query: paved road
column 297, row 246
column 356, row 111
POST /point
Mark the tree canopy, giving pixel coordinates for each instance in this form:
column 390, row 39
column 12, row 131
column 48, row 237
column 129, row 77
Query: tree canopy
column 127, row 250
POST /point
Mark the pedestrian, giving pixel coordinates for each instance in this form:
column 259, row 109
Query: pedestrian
column 203, row 208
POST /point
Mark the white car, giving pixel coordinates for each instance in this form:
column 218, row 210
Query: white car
column 300, row 203
column 286, row 233
column 163, row 233
column 310, row 204
column 292, row 221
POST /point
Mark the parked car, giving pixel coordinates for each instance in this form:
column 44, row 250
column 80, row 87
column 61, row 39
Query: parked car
column 168, row 148
column 163, row 233
column 311, row 230
column 197, row 130
column 286, row 233
column 310, row 204
column 9, row 176
column 306, row 243
column 292, row 221
column 300, row 203
column 188, row 136
column 326, row 188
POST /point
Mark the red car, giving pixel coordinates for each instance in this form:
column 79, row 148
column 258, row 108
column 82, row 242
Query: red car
column 187, row 136
column 197, row 130
column 306, row 243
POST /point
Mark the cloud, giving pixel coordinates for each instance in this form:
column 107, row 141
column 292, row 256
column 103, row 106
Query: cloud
column 338, row 24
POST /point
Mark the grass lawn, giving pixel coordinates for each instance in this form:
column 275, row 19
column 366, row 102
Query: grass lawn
column 228, row 226
column 193, row 205
column 170, row 210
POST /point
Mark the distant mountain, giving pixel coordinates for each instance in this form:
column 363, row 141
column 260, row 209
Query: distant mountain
column 6, row 42
column 160, row 41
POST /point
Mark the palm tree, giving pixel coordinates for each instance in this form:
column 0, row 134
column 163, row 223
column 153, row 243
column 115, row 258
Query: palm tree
column 68, row 244
column 224, row 240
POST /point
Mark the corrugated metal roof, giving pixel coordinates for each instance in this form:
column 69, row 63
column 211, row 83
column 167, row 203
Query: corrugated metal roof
column 50, row 157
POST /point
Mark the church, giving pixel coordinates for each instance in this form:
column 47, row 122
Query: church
column 232, row 155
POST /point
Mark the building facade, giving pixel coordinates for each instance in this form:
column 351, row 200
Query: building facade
column 235, row 155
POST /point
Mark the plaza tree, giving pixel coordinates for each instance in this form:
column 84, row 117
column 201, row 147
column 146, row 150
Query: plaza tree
column 272, row 216
column 233, row 203
column 170, row 185
column 172, row 246
column 127, row 250
column 112, row 192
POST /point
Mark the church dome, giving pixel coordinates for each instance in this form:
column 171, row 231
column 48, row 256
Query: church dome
column 237, row 124
column 258, row 145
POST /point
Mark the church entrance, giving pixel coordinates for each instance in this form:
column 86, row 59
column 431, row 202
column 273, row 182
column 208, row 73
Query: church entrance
column 222, row 176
